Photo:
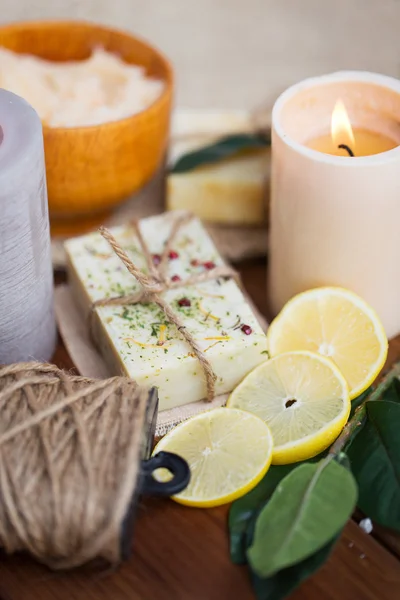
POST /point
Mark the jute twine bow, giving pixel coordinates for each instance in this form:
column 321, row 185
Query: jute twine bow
column 70, row 451
column 156, row 282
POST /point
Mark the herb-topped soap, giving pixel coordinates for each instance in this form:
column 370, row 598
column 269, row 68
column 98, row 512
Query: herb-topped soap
column 138, row 340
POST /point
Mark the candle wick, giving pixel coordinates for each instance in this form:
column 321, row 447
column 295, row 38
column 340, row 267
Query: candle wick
column 347, row 148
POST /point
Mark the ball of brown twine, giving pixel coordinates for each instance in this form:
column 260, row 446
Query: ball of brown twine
column 70, row 452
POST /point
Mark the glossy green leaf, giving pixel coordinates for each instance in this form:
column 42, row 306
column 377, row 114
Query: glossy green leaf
column 308, row 508
column 283, row 583
column 392, row 394
column 243, row 510
column 375, row 461
column 343, row 460
column 223, row 148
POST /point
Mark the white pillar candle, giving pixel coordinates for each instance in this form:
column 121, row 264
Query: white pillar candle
column 335, row 219
column 27, row 324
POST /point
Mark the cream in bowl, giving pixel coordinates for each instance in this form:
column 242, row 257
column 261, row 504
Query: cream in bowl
column 92, row 168
column 78, row 93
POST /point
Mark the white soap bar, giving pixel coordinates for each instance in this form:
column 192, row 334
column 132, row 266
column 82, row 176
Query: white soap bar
column 192, row 129
column 138, row 340
column 234, row 191
column 199, row 122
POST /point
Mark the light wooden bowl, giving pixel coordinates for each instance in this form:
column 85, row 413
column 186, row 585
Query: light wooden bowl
column 92, row 169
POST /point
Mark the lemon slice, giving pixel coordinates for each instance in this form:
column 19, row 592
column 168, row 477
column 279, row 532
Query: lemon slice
column 304, row 399
column 336, row 323
column 228, row 451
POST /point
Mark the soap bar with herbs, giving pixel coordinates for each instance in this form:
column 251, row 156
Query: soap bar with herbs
column 234, row 191
column 138, row 340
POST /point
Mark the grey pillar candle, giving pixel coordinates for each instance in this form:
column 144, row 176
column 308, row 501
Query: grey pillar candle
column 27, row 324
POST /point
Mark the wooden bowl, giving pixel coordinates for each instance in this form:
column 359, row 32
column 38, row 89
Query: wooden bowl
column 92, row 169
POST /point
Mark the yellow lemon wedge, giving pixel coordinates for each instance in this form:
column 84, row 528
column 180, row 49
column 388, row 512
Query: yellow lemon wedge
column 303, row 398
column 228, row 451
column 335, row 323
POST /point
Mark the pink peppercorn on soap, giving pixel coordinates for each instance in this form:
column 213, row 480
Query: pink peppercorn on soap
column 138, row 340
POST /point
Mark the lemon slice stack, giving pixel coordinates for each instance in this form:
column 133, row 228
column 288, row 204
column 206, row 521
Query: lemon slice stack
column 326, row 347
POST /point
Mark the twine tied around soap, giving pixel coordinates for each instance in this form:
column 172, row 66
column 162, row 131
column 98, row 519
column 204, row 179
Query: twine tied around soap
column 156, row 282
column 70, row 456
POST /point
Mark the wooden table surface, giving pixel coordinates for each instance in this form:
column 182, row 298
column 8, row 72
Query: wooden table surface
column 182, row 553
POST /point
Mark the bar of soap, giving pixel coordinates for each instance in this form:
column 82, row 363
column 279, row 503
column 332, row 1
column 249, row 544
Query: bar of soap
column 234, row 191
column 192, row 122
column 138, row 341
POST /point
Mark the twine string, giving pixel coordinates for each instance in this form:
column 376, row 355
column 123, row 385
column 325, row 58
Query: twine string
column 70, row 451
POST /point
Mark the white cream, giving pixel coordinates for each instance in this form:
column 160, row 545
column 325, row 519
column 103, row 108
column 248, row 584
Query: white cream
column 97, row 90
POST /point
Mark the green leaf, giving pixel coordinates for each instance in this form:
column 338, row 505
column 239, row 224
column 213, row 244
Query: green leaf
column 284, row 582
column 375, row 461
column 223, row 148
column 308, row 508
column 343, row 460
column 243, row 510
column 392, row 394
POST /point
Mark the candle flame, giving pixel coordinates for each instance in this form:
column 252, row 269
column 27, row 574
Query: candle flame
column 341, row 130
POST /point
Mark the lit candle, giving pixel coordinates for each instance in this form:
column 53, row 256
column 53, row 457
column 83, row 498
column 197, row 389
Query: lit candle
column 344, row 141
column 334, row 216
column 27, row 324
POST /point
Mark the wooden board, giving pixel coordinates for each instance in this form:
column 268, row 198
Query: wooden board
column 182, row 553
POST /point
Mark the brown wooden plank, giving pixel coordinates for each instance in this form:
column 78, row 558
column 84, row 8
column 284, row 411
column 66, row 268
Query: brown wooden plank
column 389, row 539
column 183, row 554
